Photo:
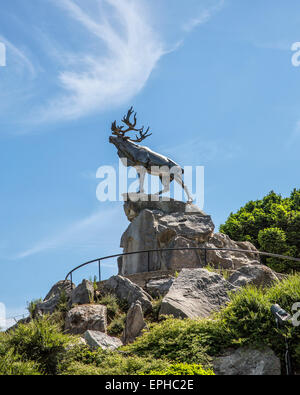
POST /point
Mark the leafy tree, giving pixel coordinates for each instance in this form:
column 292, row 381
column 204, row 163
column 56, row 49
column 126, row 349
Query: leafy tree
column 272, row 224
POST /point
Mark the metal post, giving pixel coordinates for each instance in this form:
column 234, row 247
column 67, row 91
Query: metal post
column 205, row 257
column 99, row 268
column 71, row 278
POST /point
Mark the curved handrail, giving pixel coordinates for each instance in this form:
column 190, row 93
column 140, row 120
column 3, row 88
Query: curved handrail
column 205, row 249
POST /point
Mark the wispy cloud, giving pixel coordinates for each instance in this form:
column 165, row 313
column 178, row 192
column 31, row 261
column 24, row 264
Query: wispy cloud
column 293, row 137
column 81, row 234
column 280, row 45
column 19, row 57
column 132, row 51
column 198, row 151
column 203, row 16
column 12, row 315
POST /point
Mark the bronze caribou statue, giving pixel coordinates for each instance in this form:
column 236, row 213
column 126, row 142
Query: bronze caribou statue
column 142, row 158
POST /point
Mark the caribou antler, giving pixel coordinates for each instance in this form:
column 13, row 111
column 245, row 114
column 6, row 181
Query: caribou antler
column 118, row 130
column 143, row 135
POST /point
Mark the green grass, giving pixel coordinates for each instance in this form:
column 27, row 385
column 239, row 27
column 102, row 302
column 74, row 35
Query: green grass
column 171, row 346
column 246, row 320
column 183, row 369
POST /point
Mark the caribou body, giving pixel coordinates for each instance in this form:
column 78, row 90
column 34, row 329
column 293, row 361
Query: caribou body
column 143, row 159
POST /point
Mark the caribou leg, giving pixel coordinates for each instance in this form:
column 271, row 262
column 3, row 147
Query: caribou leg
column 178, row 179
column 166, row 184
column 141, row 171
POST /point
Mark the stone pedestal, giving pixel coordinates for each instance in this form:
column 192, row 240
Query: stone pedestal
column 161, row 224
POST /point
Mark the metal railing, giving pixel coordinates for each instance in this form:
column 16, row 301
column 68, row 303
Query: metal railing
column 148, row 252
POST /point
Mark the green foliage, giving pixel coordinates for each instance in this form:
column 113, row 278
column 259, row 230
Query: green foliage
column 156, row 304
column 169, row 347
column 177, row 340
column 246, row 320
column 117, row 325
column 94, row 281
column 115, row 313
column 10, row 364
column 79, row 369
column 272, row 224
column 63, row 301
column 223, row 272
column 31, row 306
column 250, row 321
column 82, row 361
column 112, row 305
column 40, row 341
column 184, row 369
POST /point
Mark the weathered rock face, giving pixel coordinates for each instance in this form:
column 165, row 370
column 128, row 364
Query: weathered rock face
column 160, row 287
column 155, row 230
column 249, row 362
column 196, row 293
column 83, row 293
column 176, row 225
column 136, row 203
column 53, row 297
column 96, row 339
column 229, row 259
column 126, row 290
column 134, row 323
column 258, row 275
column 86, row 317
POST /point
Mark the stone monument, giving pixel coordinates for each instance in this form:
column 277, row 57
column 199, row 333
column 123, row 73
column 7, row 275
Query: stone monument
column 157, row 223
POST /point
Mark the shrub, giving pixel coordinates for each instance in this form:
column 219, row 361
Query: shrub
column 117, row 364
column 117, row 325
column 156, row 305
column 176, row 340
column 246, row 320
column 112, row 305
column 250, row 321
column 62, row 305
column 80, row 360
column 115, row 313
column 272, row 224
column 80, row 369
column 184, row 369
column 31, row 306
column 40, row 341
column 10, row 364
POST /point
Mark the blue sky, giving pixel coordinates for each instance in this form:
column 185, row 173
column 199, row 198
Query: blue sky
column 212, row 78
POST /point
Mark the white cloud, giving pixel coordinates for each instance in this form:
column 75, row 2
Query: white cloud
column 204, row 16
column 19, row 57
column 132, row 51
column 294, row 137
column 81, row 234
column 12, row 316
column 198, row 151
